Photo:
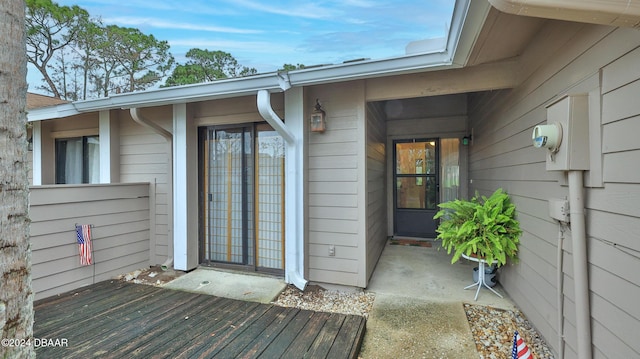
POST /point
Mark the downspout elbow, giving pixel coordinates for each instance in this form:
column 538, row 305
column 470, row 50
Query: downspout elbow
column 267, row 112
column 137, row 117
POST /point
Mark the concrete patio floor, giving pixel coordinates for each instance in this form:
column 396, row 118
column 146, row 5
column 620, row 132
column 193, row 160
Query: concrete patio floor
column 418, row 311
column 228, row 284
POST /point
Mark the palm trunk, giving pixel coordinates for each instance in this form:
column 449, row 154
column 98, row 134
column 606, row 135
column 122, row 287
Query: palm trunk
column 16, row 297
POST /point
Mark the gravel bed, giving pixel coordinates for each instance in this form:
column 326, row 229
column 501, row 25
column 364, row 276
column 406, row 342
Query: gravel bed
column 493, row 332
column 319, row 299
column 492, row 328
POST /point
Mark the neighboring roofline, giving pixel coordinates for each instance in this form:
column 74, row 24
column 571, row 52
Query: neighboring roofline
column 51, row 112
column 36, row 100
column 278, row 82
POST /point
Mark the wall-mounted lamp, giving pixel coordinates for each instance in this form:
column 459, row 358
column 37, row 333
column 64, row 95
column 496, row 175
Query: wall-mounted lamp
column 318, row 122
column 30, row 143
column 466, row 140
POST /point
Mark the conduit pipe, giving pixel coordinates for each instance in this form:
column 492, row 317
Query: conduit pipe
column 560, row 298
column 294, row 267
column 580, row 263
column 139, row 119
column 623, row 13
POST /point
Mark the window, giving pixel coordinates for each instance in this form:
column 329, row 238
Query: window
column 78, row 160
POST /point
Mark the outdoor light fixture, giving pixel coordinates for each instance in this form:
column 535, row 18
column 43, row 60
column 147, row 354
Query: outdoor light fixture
column 318, row 123
column 466, row 140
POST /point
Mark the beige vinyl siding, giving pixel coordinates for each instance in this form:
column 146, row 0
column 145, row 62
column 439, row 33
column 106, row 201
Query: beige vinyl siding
column 237, row 110
column 145, row 157
column 564, row 58
column 119, row 214
column 336, row 187
column 376, row 185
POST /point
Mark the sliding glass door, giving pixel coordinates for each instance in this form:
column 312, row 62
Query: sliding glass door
column 242, row 181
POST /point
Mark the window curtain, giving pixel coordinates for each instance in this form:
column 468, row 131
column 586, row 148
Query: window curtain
column 73, row 161
column 270, row 201
column 78, row 160
column 450, row 164
column 227, row 155
column 93, row 154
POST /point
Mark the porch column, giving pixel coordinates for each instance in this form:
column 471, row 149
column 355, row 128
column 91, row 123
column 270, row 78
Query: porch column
column 185, row 190
column 36, row 138
column 109, row 148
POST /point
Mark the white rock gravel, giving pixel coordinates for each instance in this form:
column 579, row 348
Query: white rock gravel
column 493, row 331
column 319, row 299
column 492, row 328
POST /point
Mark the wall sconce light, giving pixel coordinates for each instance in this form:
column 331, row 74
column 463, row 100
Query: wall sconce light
column 30, row 143
column 318, row 122
column 466, row 140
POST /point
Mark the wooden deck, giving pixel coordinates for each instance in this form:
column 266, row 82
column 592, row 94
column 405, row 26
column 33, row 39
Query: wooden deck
column 121, row 320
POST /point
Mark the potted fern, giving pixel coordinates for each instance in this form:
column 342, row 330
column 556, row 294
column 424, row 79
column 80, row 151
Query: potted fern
column 482, row 227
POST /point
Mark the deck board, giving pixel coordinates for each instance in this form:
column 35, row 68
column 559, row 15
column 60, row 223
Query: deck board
column 116, row 319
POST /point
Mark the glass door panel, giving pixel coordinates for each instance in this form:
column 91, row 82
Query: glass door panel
column 269, row 211
column 228, row 207
column 243, row 192
column 416, row 187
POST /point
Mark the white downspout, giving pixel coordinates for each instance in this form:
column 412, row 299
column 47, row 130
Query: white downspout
column 266, row 111
column 137, row 117
column 294, row 208
column 580, row 263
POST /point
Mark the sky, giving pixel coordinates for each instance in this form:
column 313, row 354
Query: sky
column 267, row 34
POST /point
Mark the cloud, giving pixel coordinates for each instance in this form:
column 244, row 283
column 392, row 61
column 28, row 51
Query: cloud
column 230, row 46
column 160, row 23
column 294, row 10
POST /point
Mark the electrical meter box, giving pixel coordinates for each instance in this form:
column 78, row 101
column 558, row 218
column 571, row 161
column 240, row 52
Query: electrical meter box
column 571, row 112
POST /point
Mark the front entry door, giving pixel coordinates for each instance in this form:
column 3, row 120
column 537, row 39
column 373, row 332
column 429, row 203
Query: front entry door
column 416, row 187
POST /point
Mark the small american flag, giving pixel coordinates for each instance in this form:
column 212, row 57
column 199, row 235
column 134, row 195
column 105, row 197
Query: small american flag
column 520, row 349
column 84, row 244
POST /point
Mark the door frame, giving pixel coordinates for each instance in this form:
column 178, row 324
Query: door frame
column 394, row 177
column 248, row 207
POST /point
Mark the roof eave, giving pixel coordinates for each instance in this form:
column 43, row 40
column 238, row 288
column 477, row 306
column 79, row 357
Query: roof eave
column 51, row 112
column 273, row 82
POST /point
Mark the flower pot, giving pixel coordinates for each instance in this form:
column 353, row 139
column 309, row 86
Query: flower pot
column 490, row 275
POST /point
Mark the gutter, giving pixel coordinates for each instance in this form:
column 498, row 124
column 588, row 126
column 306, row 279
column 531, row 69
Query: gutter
column 137, row 117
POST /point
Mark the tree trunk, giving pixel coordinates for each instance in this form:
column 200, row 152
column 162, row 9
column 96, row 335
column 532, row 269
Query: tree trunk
column 16, row 297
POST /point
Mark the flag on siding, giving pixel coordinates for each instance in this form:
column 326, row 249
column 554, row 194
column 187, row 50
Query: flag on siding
column 520, row 349
column 84, row 244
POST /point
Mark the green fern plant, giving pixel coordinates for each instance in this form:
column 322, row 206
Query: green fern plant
column 485, row 227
